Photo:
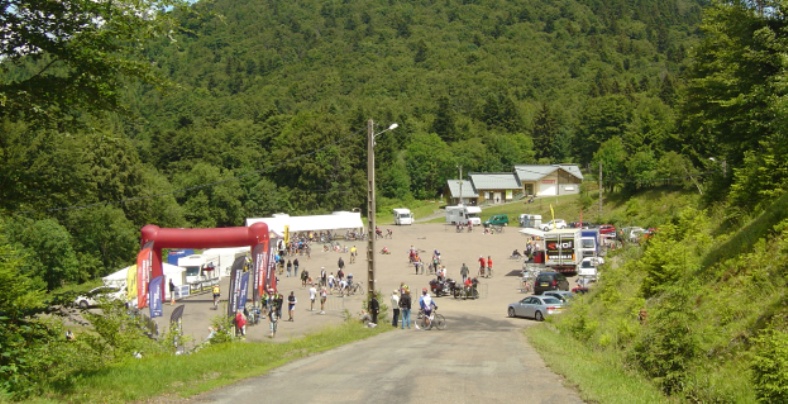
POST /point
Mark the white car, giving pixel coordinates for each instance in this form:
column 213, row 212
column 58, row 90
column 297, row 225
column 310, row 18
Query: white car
column 92, row 298
column 559, row 224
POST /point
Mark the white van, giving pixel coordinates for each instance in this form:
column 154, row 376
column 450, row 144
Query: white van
column 402, row 216
column 532, row 221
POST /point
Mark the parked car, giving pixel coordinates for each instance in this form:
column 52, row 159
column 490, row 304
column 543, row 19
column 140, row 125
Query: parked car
column 562, row 295
column 559, row 224
column 582, row 225
column 497, row 220
column 607, row 229
column 96, row 295
column 625, row 234
column 548, row 280
column 536, row 307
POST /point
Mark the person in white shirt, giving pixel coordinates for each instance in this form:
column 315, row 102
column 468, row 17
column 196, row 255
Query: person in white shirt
column 395, row 308
column 312, row 296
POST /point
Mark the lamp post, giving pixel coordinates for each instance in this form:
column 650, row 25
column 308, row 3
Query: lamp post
column 371, row 203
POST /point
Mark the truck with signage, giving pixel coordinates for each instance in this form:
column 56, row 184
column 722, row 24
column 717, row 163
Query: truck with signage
column 563, row 250
column 463, row 215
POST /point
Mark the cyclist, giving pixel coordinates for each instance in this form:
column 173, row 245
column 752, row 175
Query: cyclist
column 426, row 304
column 216, row 296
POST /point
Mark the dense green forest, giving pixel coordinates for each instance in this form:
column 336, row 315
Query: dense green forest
column 221, row 110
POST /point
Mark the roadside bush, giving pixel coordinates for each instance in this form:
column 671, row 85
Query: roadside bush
column 770, row 366
column 668, row 347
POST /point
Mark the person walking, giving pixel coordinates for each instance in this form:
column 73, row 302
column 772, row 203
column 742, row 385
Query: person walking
column 323, row 297
column 482, row 265
column 295, row 268
column 312, row 295
column 323, row 277
column 172, row 293
column 273, row 321
column 395, row 308
column 464, row 272
column 289, row 268
column 280, row 302
column 404, row 306
column 341, row 264
column 291, row 303
column 374, row 308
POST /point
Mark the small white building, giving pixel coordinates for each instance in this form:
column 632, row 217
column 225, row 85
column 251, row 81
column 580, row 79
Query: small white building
column 549, row 180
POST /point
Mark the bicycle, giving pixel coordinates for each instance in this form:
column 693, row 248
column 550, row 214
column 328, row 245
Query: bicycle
column 355, row 288
column 436, row 320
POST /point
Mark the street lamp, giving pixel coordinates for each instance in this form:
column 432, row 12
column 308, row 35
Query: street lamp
column 371, row 203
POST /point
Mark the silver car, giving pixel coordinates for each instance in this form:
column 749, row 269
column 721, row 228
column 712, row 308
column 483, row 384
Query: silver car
column 96, row 295
column 536, row 307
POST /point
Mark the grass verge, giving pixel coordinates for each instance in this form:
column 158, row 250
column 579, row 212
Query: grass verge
column 212, row 367
column 597, row 376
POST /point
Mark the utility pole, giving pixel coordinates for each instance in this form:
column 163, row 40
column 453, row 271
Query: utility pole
column 460, row 182
column 371, row 209
column 600, row 191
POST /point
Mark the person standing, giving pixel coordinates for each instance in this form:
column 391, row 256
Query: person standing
column 489, row 266
column 280, row 302
column 172, row 293
column 374, row 308
column 312, row 295
column 341, row 263
column 289, row 268
column 404, row 306
column 291, row 303
column 395, row 308
column 323, row 277
column 240, row 323
column 464, row 272
column 273, row 320
column 295, row 268
column 482, row 265
column 426, row 304
column 323, row 297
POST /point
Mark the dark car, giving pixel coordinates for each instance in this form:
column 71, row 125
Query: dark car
column 550, row 281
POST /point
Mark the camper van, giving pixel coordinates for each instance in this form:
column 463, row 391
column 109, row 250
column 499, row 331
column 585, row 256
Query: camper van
column 211, row 264
column 462, row 214
column 403, row 216
column 532, row 221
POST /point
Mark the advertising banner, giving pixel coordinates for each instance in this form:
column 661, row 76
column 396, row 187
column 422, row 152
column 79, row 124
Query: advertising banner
column 144, row 264
column 259, row 264
column 155, row 297
column 270, row 272
column 232, row 296
column 243, row 290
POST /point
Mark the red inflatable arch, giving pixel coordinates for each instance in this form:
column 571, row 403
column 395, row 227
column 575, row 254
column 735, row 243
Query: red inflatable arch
column 155, row 238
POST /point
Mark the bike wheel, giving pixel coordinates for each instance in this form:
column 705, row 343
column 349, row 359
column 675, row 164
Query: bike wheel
column 359, row 289
column 439, row 322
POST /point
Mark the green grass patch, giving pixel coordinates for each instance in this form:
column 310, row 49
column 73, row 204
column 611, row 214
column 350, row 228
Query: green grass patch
column 212, row 367
column 599, row 376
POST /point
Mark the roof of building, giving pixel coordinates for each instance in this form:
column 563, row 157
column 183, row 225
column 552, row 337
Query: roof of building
column 482, row 181
column 467, row 189
column 537, row 172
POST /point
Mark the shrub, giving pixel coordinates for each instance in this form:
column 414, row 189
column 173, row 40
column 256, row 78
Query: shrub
column 770, row 366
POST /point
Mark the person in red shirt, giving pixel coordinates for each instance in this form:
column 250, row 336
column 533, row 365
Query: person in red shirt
column 240, row 323
column 482, row 265
column 489, row 266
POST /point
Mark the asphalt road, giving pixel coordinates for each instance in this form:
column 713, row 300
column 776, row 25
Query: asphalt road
column 476, row 359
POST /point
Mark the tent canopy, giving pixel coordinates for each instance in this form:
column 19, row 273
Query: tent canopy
column 532, row 232
column 334, row 221
column 118, row 278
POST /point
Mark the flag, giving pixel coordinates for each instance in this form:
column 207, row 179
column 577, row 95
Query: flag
column 235, row 284
column 259, row 264
column 155, row 297
column 552, row 213
column 287, row 235
column 242, row 291
column 144, row 264
column 131, row 283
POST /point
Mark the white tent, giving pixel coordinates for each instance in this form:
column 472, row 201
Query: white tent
column 334, row 221
column 170, row 272
column 532, row 232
